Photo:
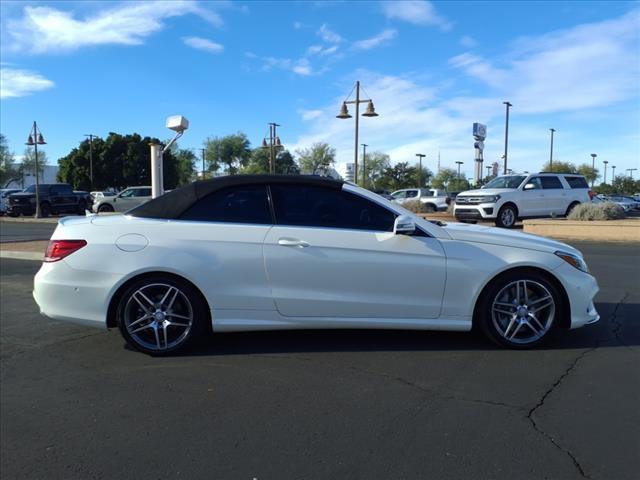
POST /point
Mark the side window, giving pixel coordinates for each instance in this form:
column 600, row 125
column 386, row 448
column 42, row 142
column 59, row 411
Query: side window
column 312, row 206
column 412, row 193
column 143, row 192
column 399, row 195
column 577, row 182
column 244, row 204
column 55, row 190
column 536, row 182
column 551, row 182
column 128, row 193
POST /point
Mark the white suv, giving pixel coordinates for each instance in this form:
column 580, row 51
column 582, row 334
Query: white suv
column 508, row 198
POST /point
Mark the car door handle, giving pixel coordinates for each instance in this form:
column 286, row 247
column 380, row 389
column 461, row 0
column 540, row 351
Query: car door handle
column 292, row 242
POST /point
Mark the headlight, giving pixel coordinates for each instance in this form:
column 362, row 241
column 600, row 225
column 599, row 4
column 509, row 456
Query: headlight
column 574, row 260
column 490, row 199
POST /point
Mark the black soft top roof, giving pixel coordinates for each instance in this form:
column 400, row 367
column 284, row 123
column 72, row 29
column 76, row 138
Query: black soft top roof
column 173, row 204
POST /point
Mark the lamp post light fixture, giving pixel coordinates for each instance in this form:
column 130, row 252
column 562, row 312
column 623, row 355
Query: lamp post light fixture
column 459, row 163
column 631, row 170
column 613, row 174
column 364, row 165
column 605, row 170
column 593, row 167
column 178, row 124
column 420, row 156
column 488, row 167
column 35, row 139
column 552, row 130
column 506, row 135
column 90, row 136
column 274, row 143
column 344, row 114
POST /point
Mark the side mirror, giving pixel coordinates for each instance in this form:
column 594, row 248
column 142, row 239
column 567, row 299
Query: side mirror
column 404, row 225
column 529, row 186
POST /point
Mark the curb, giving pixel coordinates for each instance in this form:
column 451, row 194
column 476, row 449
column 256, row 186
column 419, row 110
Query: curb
column 22, row 255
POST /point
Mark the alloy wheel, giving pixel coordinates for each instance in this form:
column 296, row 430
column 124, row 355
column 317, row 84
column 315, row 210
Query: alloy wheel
column 523, row 311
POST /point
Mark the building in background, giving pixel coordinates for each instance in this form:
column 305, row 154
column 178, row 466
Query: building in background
column 346, row 171
column 27, row 178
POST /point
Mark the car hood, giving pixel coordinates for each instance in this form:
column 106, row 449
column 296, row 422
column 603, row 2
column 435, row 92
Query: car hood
column 509, row 238
column 22, row 195
column 484, row 191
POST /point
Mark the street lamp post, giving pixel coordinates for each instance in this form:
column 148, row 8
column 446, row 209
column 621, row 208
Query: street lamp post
column 344, row 114
column 364, row 165
column 459, row 163
column 420, row 156
column 204, row 157
column 605, row 170
column 552, row 130
column 35, row 139
column 274, row 143
column 90, row 135
column 506, row 135
column 613, row 174
column 631, row 170
column 488, row 167
column 593, row 168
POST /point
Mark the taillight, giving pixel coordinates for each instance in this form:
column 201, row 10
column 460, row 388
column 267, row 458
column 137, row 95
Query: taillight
column 58, row 249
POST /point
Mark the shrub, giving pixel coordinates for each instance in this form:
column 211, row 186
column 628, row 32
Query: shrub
column 416, row 206
column 597, row 211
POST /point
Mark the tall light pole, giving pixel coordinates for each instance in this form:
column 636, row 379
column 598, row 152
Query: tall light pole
column 605, row 170
column 35, row 139
column 552, row 130
column 488, row 167
column 459, row 163
column 90, row 135
column 204, row 157
column 420, row 156
column 364, row 165
column 506, row 136
column 593, row 168
column 631, row 170
column 613, row 174
column 344, row 114
column 274, row 143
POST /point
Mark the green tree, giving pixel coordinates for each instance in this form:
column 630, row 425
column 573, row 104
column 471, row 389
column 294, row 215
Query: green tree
column 317, row 159
column 443, row 178
column 233, row 151
column 560, row 167
column 28, row 164
column 7, row 172
column 185, row 166
column 625, row 185
column 375, row 163
column 259, row 163
column 401, row 175
column 590, row 173
column 426, row 176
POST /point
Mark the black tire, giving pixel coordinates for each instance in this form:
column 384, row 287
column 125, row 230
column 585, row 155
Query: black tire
column 507, row 216
column 13, row 214
column 82, row 206
column 497, row 325
column 105, row 208
column 429, row 208
column 45, row 210
column 144, row 329
column 571, row 207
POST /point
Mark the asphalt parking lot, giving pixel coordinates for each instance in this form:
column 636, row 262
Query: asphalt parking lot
column 16, row 231
column 77, row 404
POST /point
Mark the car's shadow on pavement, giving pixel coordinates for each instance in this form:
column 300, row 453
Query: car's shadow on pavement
column 610, row 331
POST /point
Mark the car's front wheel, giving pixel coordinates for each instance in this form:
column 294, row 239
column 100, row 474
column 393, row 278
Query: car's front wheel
column 106, row 208
column 507, row 216
column 518, row 310
column 160, row 315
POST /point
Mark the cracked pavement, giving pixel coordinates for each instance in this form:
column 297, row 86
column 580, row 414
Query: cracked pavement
column 75, row 403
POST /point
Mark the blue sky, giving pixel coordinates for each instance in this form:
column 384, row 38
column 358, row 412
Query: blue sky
column 432, row 69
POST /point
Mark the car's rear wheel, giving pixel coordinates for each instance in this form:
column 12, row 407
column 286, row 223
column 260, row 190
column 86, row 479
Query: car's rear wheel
column 429, row 208
column 571, row 207
column 519, row 310
column 160, row 315
column 507, row 216
column 105, row 208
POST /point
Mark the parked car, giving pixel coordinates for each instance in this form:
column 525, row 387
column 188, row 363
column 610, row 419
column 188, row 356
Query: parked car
column 434, row 200
column 629, row 203
column 383, row 193
column 98, row 195
column 508, row 198
column 264, row 252
column 55, row 198
column 4, row 194
column 125, row 200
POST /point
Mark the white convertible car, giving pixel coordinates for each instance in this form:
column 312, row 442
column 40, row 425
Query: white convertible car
column 289, row 252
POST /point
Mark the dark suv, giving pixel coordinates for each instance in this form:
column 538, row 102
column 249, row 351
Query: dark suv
column 54, row 198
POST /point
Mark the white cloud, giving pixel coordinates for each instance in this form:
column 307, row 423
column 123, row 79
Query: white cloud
column 297, row 25
column 300, row 67
column 418, row 12
column 45, row 29
column 308, row 115
column 587, row 66
column 203, row 44
column 322, row 51
column 468, row 42
column 20, row 83
column 328, row 35
column 382, row 37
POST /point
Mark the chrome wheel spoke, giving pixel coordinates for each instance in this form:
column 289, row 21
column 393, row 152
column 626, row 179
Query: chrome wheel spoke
column 164, row 334
column 176, row 324
column 149, row 303
column 517, row 329
column 534, row 319
column 157, row 335
column 144, row 327
column 540, row 304
column 175, row 315
column 146, row 316
column 511, row 324
column 504, row 312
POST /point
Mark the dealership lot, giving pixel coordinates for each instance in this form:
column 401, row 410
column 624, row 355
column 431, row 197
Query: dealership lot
column 77, row 404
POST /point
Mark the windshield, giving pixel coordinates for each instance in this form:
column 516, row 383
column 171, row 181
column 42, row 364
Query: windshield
column 507, row 181
column 32, row 189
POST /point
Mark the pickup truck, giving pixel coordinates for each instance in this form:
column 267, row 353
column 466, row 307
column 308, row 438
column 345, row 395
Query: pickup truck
column 434, row 199
column 55, row 198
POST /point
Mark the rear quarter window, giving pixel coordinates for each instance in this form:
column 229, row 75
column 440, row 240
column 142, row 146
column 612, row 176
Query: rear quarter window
column 551, row 183
column 577, row 182
column 244, row 204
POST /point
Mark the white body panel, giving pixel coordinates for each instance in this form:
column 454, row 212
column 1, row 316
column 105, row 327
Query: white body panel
column 342, row 279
